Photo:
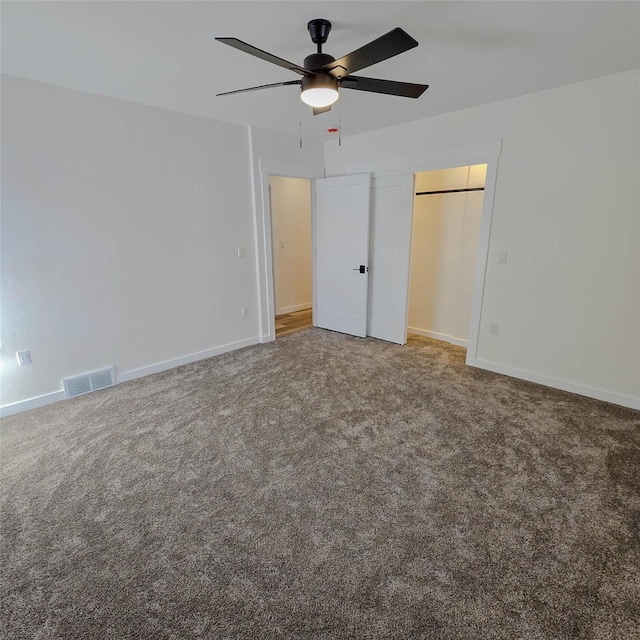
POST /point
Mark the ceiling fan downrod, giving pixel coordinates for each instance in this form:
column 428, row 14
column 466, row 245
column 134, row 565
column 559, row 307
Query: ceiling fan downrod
column 319, row 30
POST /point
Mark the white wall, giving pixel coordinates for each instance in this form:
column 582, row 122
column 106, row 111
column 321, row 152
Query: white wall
column 120, row 229
column 444, row 247
column 566, row 209
column 291, row 235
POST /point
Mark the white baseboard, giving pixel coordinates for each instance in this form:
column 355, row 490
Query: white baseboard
column 56, row 396
column 548, row 381
column 294, row 308
column 563, row 385
column 31, row 403
column 177, row 362
column 458, row 342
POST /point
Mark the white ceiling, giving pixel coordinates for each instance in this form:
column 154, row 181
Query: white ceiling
column 164, row 53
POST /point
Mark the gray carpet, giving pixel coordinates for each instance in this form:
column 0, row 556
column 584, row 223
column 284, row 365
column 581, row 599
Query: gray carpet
column 323, row 486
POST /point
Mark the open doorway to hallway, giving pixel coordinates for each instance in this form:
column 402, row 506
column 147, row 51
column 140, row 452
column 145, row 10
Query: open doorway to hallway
column 290, row 204
column 444, row 245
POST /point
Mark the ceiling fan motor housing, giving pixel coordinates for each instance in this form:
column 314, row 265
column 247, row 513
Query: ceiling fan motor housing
column 316, row 61
column 319, row 81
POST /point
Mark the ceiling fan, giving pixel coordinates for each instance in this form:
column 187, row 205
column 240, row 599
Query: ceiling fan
column 322, row 74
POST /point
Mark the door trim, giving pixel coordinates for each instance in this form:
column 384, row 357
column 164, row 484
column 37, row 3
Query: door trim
column 430, row 160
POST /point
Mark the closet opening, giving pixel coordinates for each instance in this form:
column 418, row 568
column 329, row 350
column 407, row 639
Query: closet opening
column 447, row 211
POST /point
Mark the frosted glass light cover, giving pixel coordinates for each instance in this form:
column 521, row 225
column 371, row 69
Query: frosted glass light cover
column 319, row 97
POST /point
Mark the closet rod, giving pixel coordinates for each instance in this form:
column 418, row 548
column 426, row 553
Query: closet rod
column 429, row 193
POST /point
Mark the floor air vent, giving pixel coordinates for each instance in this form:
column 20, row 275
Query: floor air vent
column 88, row 382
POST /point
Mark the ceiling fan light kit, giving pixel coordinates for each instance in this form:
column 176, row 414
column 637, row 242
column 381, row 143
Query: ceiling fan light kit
column 322, row 75
column 319, row 90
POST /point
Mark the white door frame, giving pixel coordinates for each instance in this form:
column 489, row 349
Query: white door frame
column 482, row 153
column 264, row 248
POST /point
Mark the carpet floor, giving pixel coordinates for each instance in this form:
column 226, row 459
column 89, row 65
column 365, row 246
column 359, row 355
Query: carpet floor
column 322, row 486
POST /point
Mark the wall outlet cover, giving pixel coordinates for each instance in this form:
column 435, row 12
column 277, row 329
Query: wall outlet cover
column 24, row 357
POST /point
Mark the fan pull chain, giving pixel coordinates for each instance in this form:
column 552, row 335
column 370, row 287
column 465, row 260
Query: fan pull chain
column 300, row 116
column 339, row 118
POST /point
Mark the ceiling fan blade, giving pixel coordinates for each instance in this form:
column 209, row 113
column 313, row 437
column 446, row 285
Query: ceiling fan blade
column 390, row 87
column 318, row 110
column 263, row 55
column 386, row 46
column 262, row 86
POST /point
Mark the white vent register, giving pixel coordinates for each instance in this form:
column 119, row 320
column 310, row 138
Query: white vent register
column 79, row 385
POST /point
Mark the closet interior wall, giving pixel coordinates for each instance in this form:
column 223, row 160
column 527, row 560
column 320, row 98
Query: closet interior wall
column 444, row 246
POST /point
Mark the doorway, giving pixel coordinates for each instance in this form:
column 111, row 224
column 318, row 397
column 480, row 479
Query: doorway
column 291, row 246
column 483, row 152
column 447, row 214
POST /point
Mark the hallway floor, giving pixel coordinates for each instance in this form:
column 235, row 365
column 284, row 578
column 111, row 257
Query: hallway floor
column 292, row 322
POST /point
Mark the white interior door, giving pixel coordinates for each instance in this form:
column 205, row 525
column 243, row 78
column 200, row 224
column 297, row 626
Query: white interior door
column 391, row 216
column 342, row 253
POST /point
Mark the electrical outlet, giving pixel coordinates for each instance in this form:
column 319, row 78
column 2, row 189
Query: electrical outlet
column 24, row 357
column 493, row 329
column 244, row 311
column 502, row 257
